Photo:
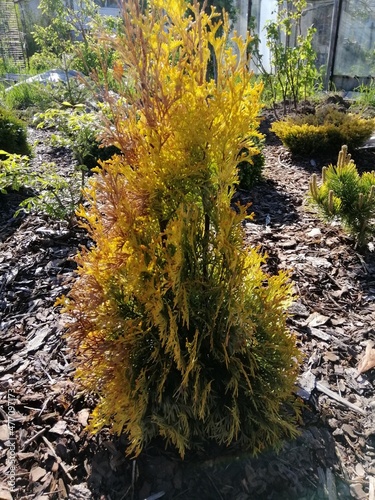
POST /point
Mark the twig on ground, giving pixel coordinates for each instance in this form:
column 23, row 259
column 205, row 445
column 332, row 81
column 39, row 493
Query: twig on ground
column 337, row 397
column 33, row 438
column 59, row 461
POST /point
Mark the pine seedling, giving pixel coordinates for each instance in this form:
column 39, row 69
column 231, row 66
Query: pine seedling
column 346, row 195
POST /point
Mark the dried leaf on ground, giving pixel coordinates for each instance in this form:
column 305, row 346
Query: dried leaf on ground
column 368, row 360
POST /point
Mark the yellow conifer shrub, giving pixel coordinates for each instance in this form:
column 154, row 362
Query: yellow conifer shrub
column 176, row 325
column 323, row 132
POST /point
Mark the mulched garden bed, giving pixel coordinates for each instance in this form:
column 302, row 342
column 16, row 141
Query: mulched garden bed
column 43, row 414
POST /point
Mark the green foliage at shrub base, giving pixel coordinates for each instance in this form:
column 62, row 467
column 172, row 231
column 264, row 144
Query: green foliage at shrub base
column 249, row 174
column 250, row 170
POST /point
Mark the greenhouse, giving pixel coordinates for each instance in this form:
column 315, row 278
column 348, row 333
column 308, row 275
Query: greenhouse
column 344, row 38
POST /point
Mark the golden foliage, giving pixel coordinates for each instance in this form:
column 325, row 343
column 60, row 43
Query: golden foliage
column 175, row 324
column 324, row 132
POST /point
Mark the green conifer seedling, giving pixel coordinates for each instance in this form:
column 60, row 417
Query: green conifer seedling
column 346, row 195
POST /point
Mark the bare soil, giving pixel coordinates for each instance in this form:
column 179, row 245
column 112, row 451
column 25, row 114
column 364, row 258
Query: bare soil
column 333, row 318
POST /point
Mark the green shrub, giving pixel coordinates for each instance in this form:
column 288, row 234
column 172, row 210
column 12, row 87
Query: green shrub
column 324, row 132
column 13, row 134
column 43, row 61
column 346, row 195
column 176, row 326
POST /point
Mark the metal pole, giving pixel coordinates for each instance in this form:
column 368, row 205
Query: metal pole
column 249, row 13
column 333, row 42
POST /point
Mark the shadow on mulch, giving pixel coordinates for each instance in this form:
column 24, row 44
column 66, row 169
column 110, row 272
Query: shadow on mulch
column 299, row 472
column 364, row 159
column 269, row 204
column 9, row 204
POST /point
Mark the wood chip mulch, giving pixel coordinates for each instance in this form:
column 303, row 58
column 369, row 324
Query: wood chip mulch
column 44, row 448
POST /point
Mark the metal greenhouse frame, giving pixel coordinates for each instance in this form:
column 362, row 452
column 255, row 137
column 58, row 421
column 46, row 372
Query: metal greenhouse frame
column 11, row 38
column 344, row 39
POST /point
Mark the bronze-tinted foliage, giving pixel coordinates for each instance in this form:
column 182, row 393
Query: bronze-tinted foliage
column 175, row 324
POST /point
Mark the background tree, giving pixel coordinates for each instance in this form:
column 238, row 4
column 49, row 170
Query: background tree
column 68, row 34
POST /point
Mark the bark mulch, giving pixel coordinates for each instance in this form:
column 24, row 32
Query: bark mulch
column 43, row 445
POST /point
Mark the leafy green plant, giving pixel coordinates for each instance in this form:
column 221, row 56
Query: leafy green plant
column 13, row 133
column 63, row 24
column 293, row 75
column 176, row 325
column 43, row 61
column 79, row 130
column 71, row 32
column 324, row 132
column 57, row 196
column 346, row 195
column 15, row 172
column 54, row 195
